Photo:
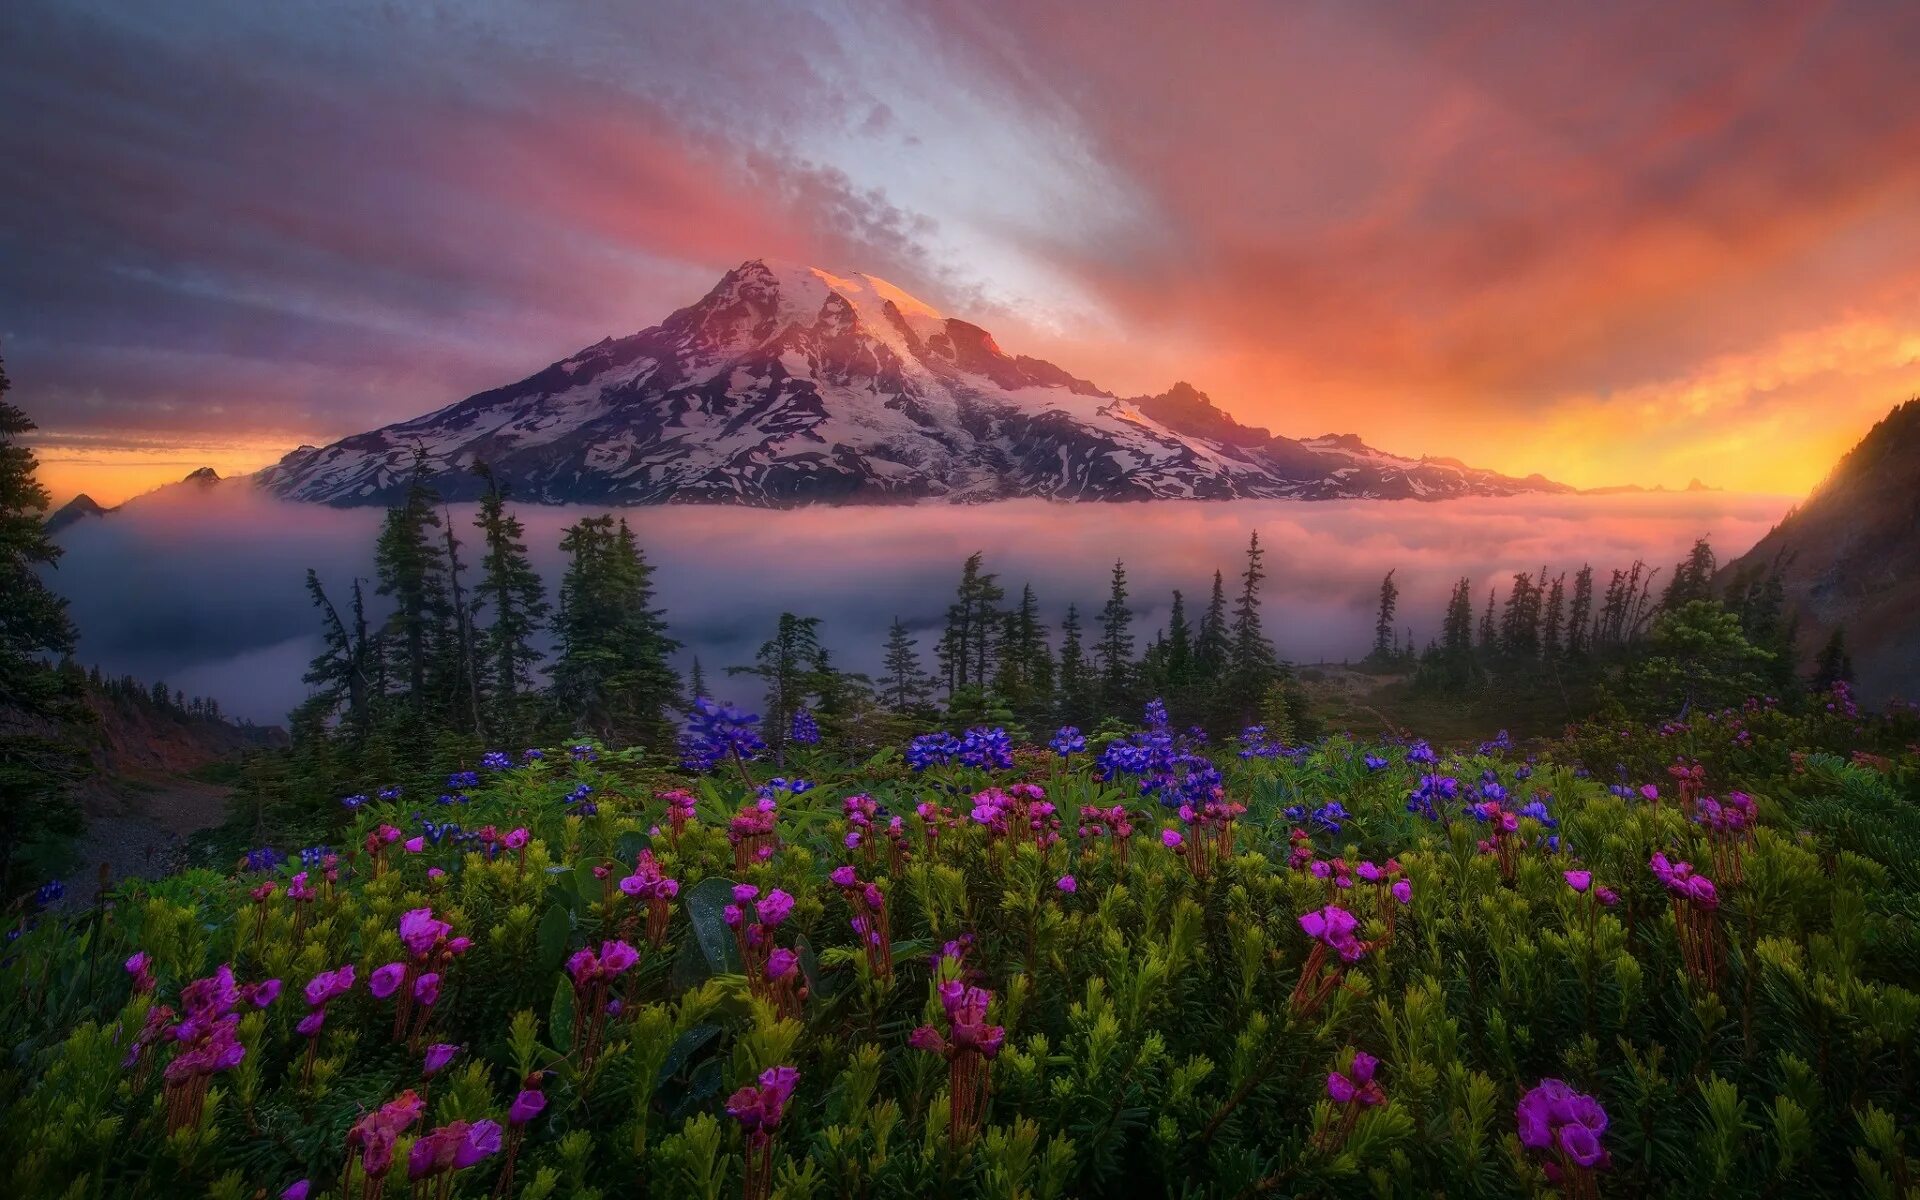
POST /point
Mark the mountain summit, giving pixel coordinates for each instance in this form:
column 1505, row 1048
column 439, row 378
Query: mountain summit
column 788, row 385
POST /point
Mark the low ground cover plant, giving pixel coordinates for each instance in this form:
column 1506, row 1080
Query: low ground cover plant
column 1640, row 960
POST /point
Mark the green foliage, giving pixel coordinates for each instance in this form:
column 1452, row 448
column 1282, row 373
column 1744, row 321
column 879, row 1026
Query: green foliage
column 1155, row 1041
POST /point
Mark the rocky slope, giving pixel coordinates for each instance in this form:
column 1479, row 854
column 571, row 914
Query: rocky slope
column 787, row 385
column 1850, row 556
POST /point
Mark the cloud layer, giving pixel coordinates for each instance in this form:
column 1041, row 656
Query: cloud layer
column 222, row 608
column 1647, row 243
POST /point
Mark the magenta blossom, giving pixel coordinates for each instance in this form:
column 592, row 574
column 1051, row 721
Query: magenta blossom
column 1402, row 891
column 1579, row 881
column 386, row 980
column 1357, row 1082
column 1335, row 927
column 527, row 1105
column 759, row 1108
column 438, row 1056
column 1555, row 1119
column 421, row 931
column 1068, row 883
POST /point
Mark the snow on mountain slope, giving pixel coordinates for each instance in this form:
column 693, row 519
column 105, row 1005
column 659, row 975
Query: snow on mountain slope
column 787, row 385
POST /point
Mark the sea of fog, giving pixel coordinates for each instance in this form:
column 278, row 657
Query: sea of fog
column 206, row 590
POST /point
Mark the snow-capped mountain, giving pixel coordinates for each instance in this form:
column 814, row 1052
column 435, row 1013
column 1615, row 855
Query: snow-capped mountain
column 786, row 385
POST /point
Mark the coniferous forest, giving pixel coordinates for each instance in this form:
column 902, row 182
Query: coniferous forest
column 1050, row 905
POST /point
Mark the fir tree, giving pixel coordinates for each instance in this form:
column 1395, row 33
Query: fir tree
column 612, row 675
column 697, row 682
column 1076, row 676
column 1383, row 643
column 1834, row 665
column 1211, row 648
column 412, row 574
column 1580, row 613
column 36, row 814
column 1114, row 653
column 342, row 672
column 510, row 591
column 1252, row 666
column 793, row 667
column 966, row 649
column 905, row 687
column 1179, row 653
column 1025, row 675
column 1553, row 622
column 458, row 657
column 1692, row 579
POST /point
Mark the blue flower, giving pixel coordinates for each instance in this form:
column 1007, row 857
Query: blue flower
column 353, row 802
column 463, row 779
column 1068, row 741
column 531, row 755
column 987, row 749
column 804, row 729
column 1331, row 816
column 716, row 732
column 1422, row 753
column 1375, row 763
column 48, row 892
column 1537, row 809
column 583, row 752
column 313, row 856
column 390, row 793
column 264, row 859
column 932, row 750
column 496, row 760
column 1156, row 714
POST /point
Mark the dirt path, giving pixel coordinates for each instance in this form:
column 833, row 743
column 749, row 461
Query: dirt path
column 146, row 842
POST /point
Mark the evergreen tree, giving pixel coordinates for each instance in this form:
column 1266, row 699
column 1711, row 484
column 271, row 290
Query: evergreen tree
column 792, row 665
column 342, row 672
column 1449, row 664
column 1211, row 648
column 36, row 813
column 1025, row 675
column 511, row 592
column 1520, row 619
column 1179, row 653
column 1580, row 613
column 1075, row 704
column 1489, row 636
column 1252, row 666
column 1834, row 665
column 966, row 649
column 1383, row 643
column 458, row 658
column 1553, row 623
column 904, row 687
column 1114, row 653
column 697, row 682
column 1692, row 578
column 612, row 676
column 412, row 574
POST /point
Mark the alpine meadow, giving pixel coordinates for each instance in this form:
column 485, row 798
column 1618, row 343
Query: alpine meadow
column 1388, row 672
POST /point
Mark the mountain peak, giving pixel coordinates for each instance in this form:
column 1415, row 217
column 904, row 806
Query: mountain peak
column 790, row 384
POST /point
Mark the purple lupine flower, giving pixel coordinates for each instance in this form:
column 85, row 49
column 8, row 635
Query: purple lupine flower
column 804, row 729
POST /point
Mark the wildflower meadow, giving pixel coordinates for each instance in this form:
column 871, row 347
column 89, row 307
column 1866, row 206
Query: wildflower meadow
column 1636, row 960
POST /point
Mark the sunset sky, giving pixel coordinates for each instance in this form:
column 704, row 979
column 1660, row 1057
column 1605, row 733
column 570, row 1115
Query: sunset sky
column 1624, row 242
